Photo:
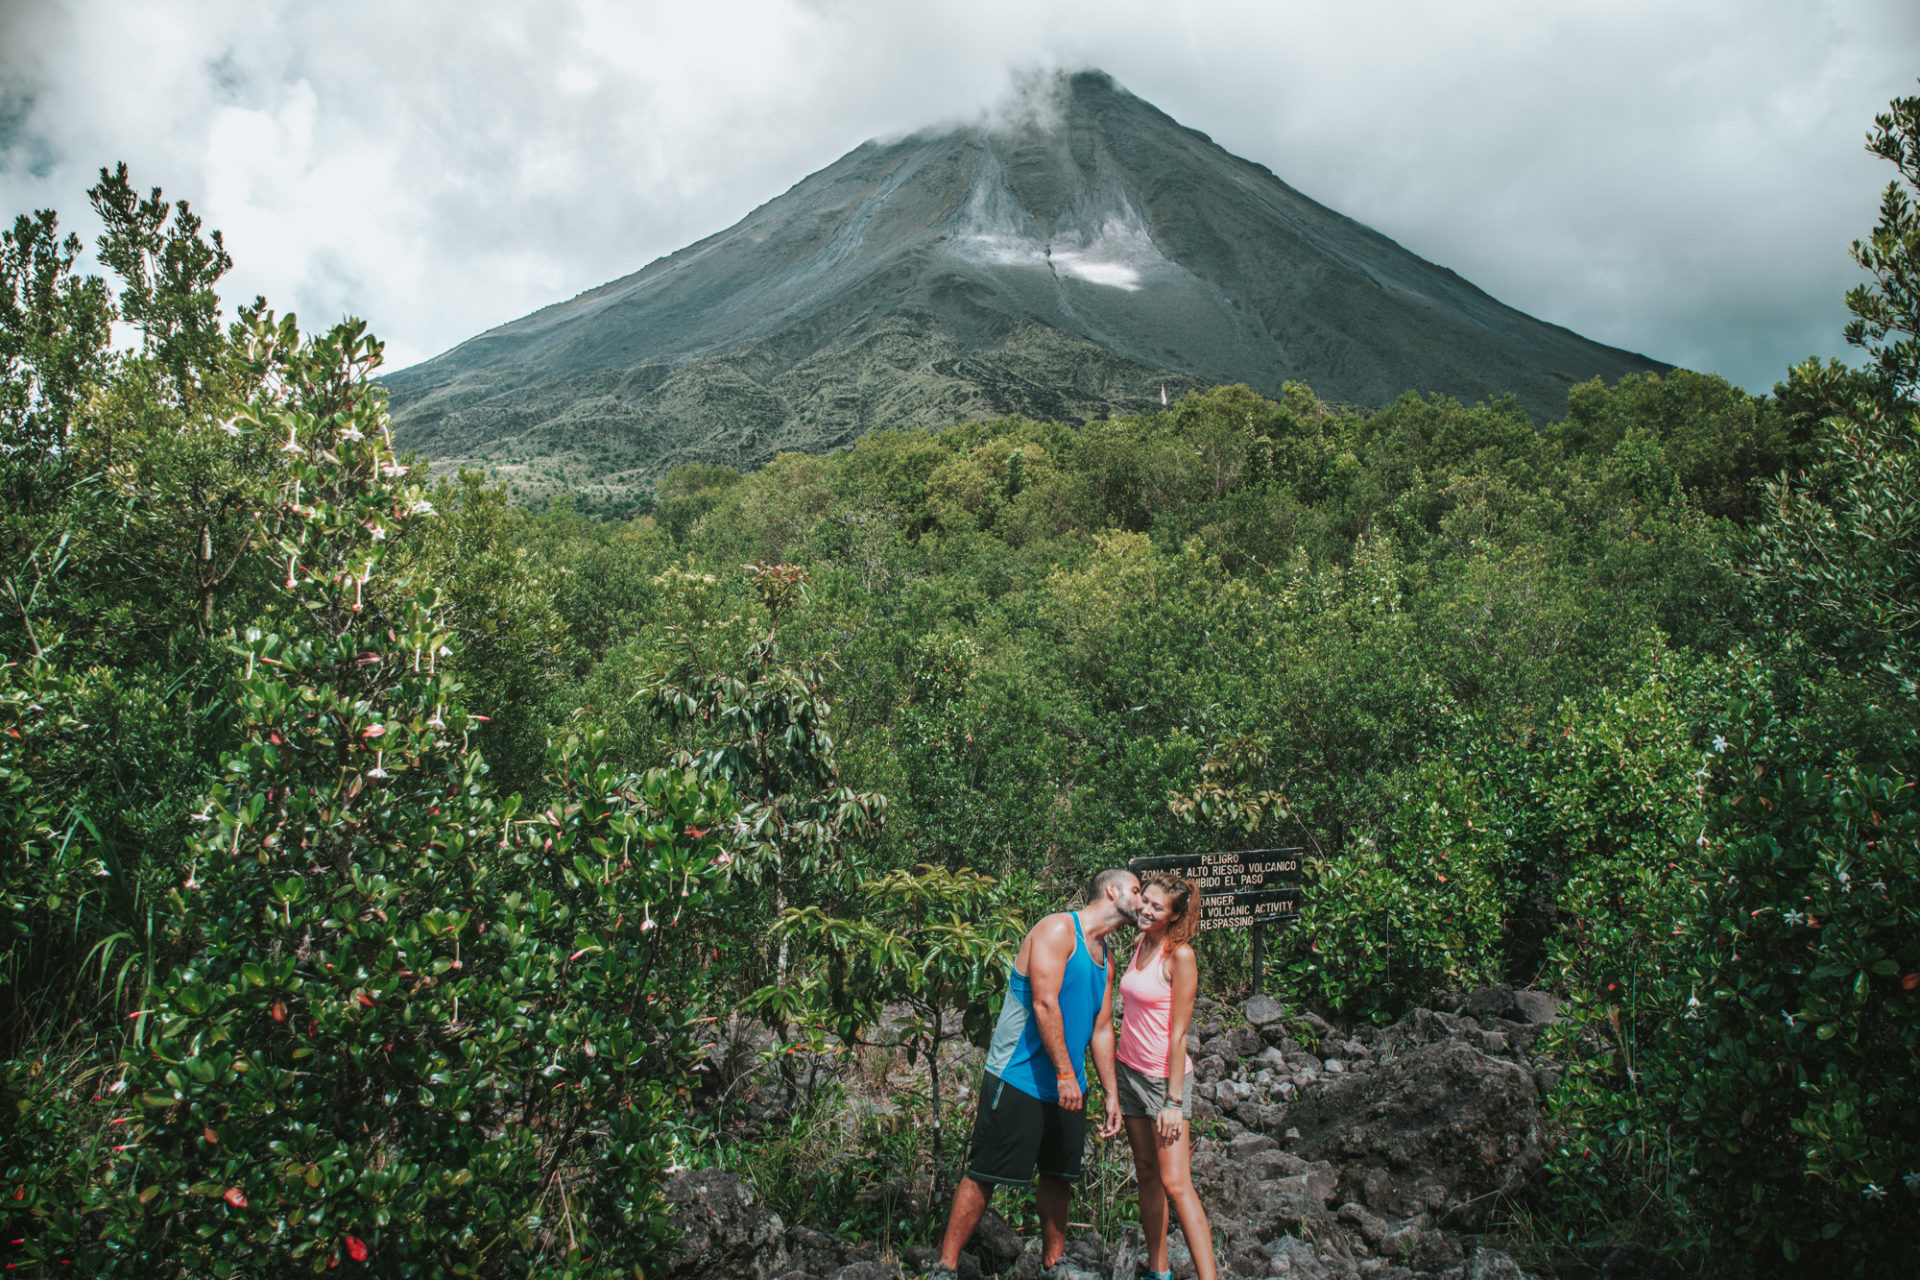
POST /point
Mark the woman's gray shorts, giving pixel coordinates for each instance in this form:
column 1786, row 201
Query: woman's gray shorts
column 1142, row 1095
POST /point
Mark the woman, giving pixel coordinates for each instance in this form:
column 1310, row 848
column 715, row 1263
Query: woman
column 1155, row 1075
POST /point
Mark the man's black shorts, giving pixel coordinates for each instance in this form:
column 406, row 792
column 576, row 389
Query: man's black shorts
column 1014, row 1133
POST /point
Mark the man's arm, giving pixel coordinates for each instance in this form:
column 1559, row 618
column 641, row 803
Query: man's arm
column 1102, row 1050
column 1046, row 970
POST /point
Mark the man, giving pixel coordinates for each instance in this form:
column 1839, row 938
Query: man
column 1059, row 1003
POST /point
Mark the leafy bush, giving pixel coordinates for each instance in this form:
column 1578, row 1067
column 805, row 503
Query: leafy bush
column 1752, row 1086
column 410, row 1029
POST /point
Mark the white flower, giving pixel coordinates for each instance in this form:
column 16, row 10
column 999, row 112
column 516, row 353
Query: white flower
column 202, row 816
column 231, row 427
column 377, row 772
column 1788, row 1017
column 445, row 652
column 1912, row 1180
column 120, row 1086
column 421, row 508
column 1719, row 743
column 392, row 469
column 1796, row 918
column 354, row 434
column 1874, row 1191
column 379, row 532
column 292, row 445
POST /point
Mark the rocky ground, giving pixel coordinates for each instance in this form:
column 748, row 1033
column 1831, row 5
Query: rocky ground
column 1324, row 1155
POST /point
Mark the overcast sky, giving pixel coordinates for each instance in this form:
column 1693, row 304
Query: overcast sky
column 1679, row 177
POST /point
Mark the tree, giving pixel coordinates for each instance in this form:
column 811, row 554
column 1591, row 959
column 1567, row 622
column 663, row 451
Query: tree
column 933, row 940
column 1840, row 546
column 762, row 730
column 1886, row 321
column 407, row 1027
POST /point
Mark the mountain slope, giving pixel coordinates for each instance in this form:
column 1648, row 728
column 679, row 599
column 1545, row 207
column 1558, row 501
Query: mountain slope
column 1064, row 267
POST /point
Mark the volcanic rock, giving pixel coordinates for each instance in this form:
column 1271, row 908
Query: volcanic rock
column 724, row 1235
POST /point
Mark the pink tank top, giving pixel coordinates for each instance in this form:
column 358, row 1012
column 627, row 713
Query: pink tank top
column 1147, row 1025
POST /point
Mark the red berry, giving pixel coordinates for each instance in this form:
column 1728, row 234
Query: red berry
column 235, row 1197
column 357, row 1248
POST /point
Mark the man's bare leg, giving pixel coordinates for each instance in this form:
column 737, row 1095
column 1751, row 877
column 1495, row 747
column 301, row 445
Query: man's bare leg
column 969, row 1202
column 1055, row 1198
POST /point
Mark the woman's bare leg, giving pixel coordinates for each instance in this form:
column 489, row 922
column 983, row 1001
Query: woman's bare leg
column 1176, row 1183
column 1153, row 1201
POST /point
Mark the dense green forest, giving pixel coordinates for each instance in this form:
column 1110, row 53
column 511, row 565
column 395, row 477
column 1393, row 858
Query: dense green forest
column 374, row 849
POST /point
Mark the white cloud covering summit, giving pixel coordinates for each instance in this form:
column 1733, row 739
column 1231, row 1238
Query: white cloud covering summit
column 1680, row 179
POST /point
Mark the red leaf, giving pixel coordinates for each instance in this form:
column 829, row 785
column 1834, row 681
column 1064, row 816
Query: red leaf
column 235, row 1197
column 279, row 1011
column 210, row 1136
column 366, row 1001
column 357, row 1248
column 1909, row 982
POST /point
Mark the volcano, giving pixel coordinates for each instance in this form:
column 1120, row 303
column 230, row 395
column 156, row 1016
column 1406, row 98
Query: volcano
column 1093, row 256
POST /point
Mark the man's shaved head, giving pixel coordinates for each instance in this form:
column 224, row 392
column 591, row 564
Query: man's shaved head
column 1112, row 877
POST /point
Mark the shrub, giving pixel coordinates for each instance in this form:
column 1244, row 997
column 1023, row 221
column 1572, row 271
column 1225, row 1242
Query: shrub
column 412, row 1030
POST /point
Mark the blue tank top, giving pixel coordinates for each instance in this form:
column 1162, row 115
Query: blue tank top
column 1016, row 1054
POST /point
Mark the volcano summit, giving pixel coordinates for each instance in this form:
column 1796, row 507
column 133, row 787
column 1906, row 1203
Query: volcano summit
column 1067, row 265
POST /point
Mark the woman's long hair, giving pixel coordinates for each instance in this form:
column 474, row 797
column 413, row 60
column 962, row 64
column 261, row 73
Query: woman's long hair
column 1183, row 898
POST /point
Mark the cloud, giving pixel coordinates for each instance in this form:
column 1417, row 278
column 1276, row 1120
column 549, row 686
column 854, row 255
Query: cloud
column 1681, row 179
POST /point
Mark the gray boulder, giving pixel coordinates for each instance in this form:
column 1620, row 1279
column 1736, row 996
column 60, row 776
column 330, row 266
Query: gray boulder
column 1491, row 1264
column 1295, row 1259
column 724, row 1235
column 1263, row 1011
column 995, row 1243
column 1490, row 1002
column 867, row 1271
column 1536, row 1008
column 1443, row 1128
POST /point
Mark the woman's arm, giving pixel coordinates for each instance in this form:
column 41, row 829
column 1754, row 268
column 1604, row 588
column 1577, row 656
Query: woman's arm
column 1185, row 980
column 1100, row 1049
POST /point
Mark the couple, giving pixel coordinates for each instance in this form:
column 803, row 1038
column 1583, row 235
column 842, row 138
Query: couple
column 1059, row 1002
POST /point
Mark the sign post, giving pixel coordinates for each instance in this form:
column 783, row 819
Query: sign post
column 1239, row 889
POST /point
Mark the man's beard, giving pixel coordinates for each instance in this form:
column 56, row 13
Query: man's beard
column 1128, row 912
